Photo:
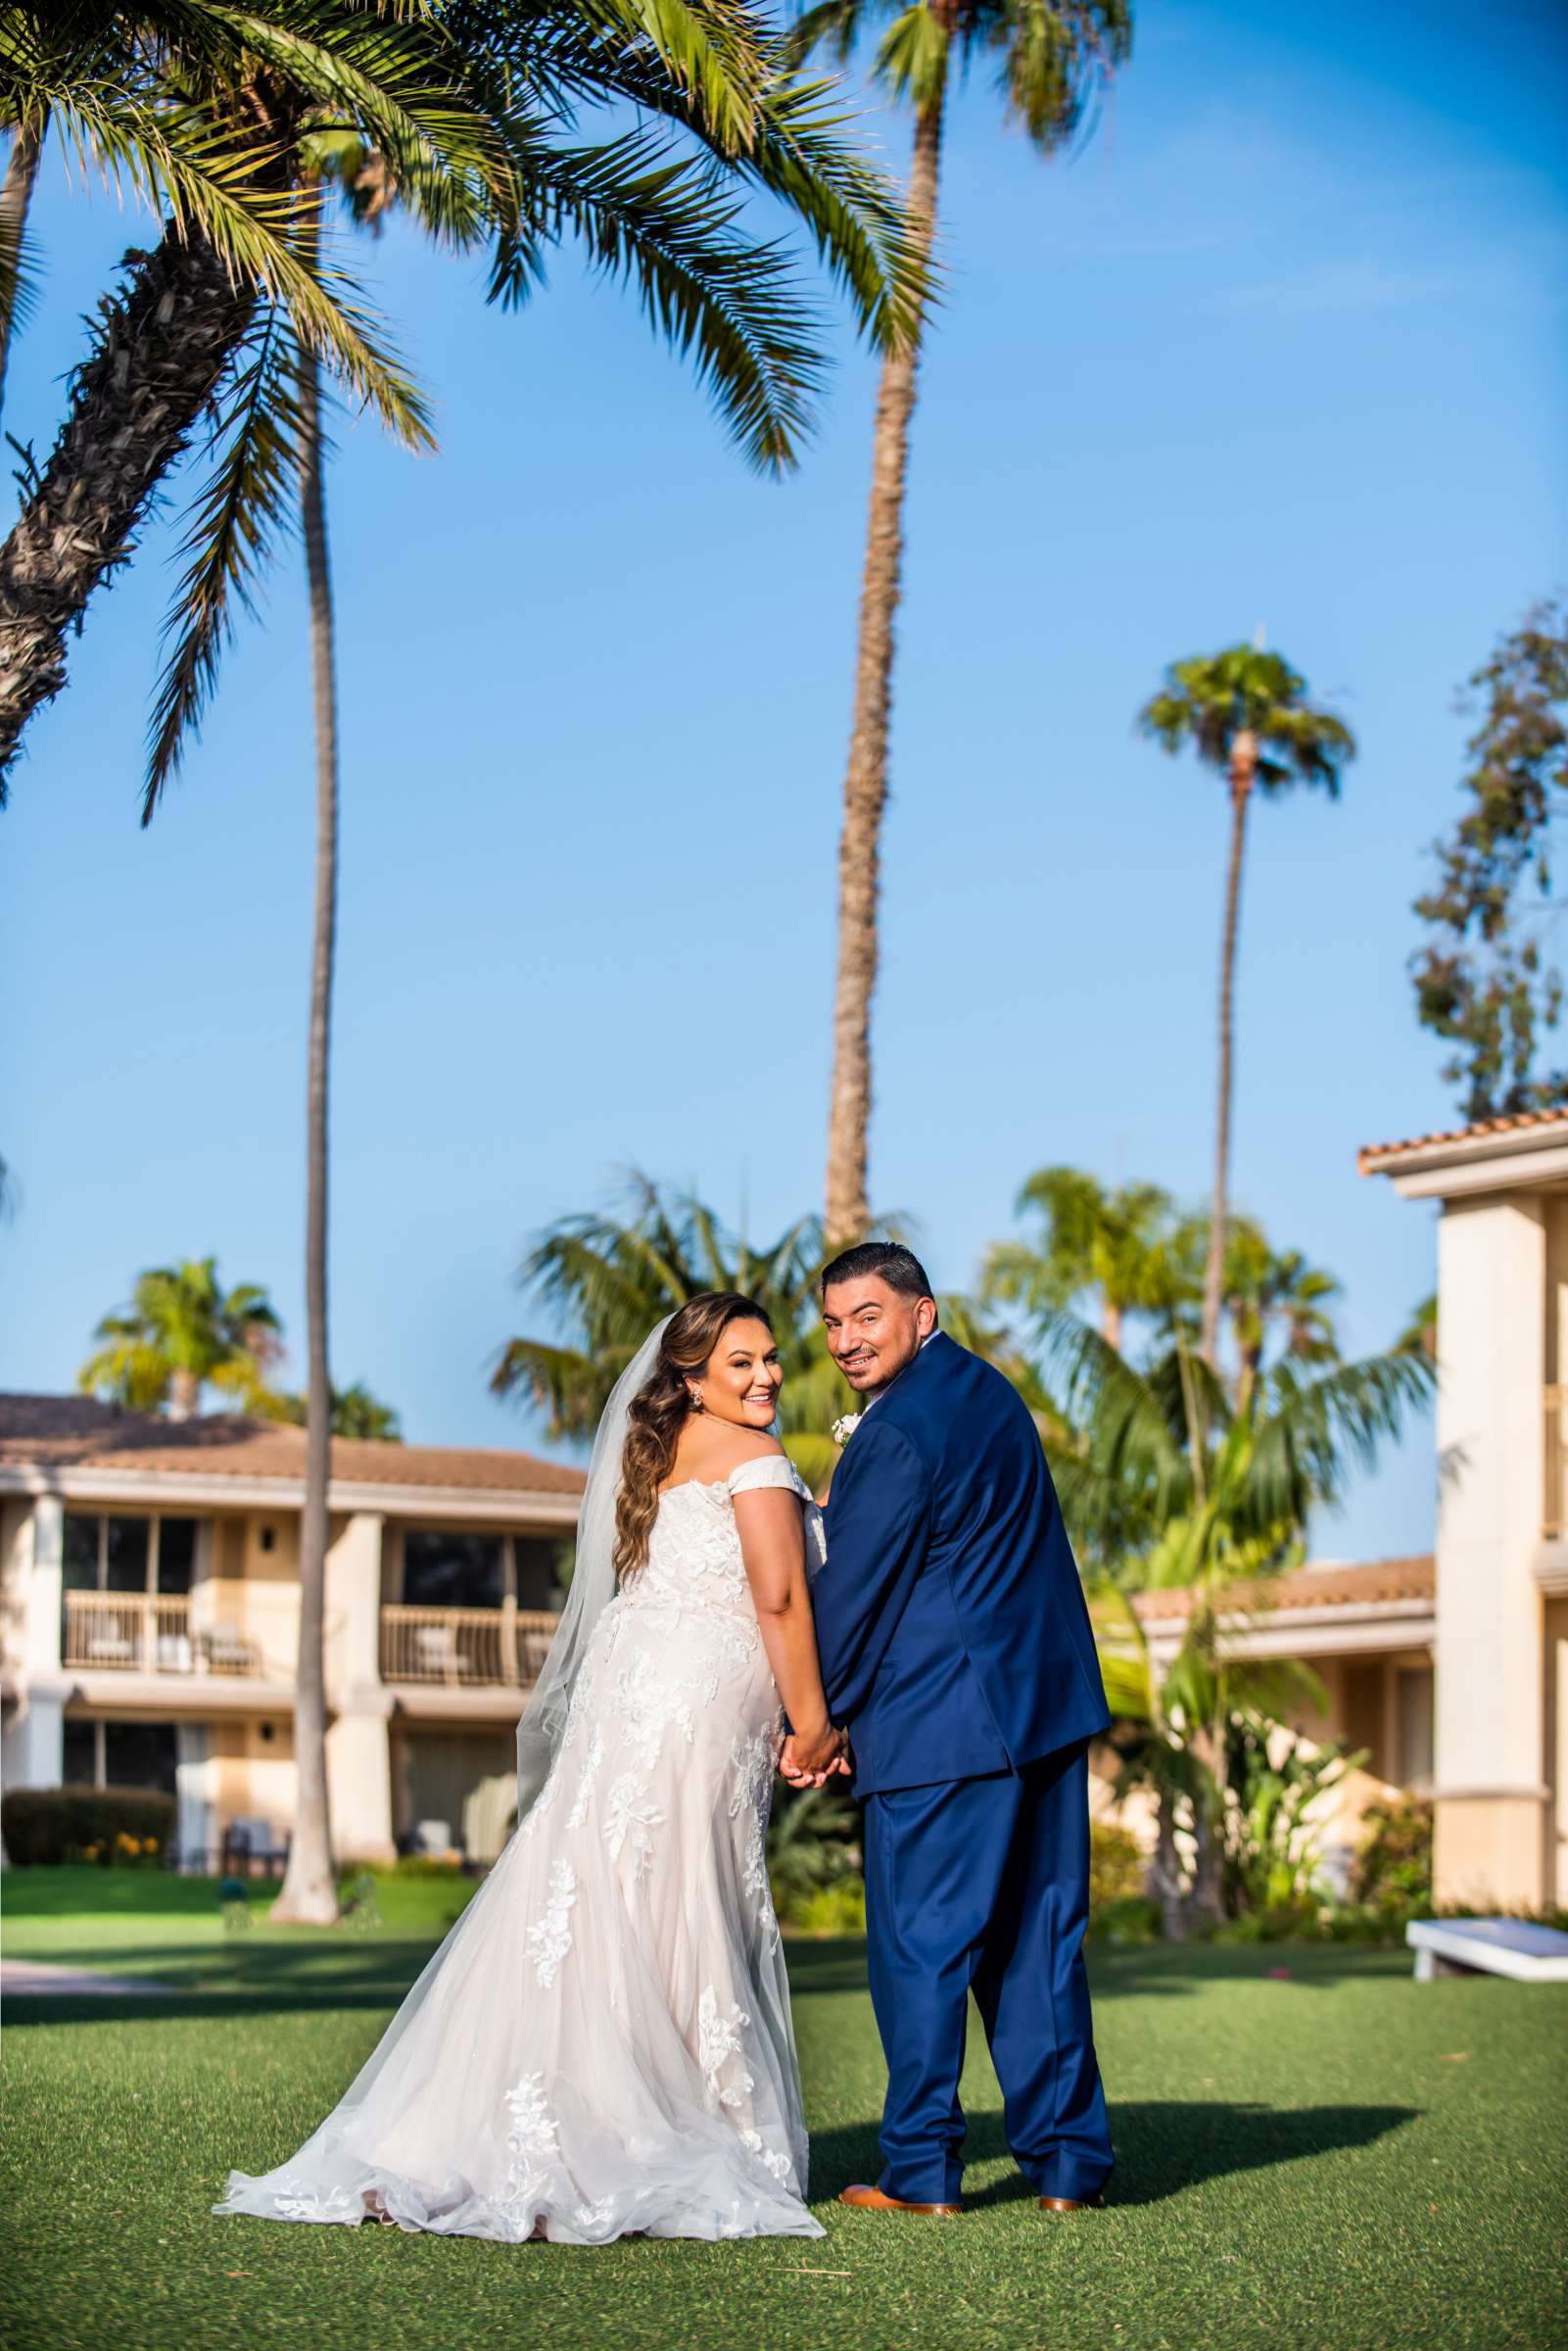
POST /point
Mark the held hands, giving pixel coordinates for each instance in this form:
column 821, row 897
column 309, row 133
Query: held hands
column 811, row 1757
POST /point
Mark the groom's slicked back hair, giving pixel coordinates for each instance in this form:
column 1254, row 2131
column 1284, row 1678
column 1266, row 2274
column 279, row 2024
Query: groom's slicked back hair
column 889, row 1261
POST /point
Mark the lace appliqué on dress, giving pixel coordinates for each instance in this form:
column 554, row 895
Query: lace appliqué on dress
column 550, row 1938
column 719, row 2043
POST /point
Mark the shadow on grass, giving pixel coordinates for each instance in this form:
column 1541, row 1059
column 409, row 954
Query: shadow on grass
column 1164, row 2146
column 237, row 1978
column 271, row 1973
column 839, row 1965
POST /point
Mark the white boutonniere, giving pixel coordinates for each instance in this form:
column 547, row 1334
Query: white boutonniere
column 845, row 1428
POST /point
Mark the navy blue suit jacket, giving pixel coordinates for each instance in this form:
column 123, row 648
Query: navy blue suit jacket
column 950, row 1616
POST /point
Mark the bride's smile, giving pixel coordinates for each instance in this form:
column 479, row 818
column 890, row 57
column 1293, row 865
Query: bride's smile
column 742, row 1378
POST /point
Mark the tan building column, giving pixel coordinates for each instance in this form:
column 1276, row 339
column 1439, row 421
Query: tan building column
column 359, row 1741
column 1491, row 1799
column 36, row 1736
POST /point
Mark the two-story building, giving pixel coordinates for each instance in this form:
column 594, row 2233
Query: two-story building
column 1502, row 1593
column 149, row 1621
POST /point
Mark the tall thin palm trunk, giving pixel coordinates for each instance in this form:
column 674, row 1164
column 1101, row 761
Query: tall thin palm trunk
column 1242, row 768
column 309, row 1885
column 16, row 194
column 159, row 345
column 866, row 778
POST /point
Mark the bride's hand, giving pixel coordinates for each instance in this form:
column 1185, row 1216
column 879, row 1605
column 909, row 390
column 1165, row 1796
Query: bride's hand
column 810, row 1757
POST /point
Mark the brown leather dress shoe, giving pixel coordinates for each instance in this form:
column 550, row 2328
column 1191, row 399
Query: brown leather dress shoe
column 1094, row 2203
column 872, row 2199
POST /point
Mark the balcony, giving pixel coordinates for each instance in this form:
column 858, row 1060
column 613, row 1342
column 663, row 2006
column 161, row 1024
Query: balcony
column 144, row 1632
column 465, row 1647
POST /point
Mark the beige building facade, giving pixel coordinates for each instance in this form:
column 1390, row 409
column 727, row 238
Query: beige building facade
column 1367, row 1632
column 149, row 1621
column 1500, row 1189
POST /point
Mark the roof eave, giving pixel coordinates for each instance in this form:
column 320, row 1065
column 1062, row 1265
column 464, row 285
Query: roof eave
column 242, row 1490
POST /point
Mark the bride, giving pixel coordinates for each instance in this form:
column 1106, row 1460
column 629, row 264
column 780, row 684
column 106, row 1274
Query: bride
column 602, row 2045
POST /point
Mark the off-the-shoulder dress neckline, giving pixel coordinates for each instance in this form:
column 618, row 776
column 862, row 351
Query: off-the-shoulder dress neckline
column 721, row 1485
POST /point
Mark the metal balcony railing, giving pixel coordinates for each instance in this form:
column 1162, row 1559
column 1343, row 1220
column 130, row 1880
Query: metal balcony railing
column 465, row 1647
column 148, row 1632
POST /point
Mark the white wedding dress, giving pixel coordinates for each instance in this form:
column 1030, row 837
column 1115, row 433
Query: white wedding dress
column 602, row 2045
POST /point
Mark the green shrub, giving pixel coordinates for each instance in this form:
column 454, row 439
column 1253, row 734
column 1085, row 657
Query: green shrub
column 811, row 1845
column 1393, row 1865
column 1115, row 1866
column 1132, row 1919
column 114, row 1827
column 836, row 1909
column 427, row 1866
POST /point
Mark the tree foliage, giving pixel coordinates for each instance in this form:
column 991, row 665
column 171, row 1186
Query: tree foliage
column 356, row 1413
column 183, row 1332
column 1212, row 698
column 1483, row 983
column 605, row 1281
column 638, row 132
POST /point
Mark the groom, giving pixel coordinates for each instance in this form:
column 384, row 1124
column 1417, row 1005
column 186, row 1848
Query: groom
column 957, row 1653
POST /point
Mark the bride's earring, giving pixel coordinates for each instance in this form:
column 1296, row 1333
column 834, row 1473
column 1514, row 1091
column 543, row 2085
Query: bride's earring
column 697, row 1405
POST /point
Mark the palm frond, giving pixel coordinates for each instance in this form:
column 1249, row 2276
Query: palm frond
column 668, row 226
column 233, row 529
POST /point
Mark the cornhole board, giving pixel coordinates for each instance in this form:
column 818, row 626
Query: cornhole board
column 1487, row 1947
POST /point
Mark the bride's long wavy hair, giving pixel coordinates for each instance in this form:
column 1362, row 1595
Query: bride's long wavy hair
column 659, row 1411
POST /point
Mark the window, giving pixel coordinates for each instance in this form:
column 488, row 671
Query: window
column 445, row 1570
column 79, row 1765
column 128, row 1554
column 83, row 1538
column 139, row 1755
column 542, row 1569
column 177, row 1554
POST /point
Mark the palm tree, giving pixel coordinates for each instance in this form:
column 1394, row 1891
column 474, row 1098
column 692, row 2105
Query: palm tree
column 1173, row 1486
column 476, row 108
column 1269, row 1292
column 1154, row 1442
column 185, row 105
column 308, row 1894
column 1116, row 1245
column 1245, row 714
column 1170, row 1726
column 371, row 181
column 356, row 1413
column 183, row 1332
column 608, row 1279
column 1052, row 58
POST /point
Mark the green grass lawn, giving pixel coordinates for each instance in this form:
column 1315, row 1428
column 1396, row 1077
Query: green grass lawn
column 1343, row 2161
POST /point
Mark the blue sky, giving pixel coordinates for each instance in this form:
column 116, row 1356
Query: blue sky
column 1284, row 346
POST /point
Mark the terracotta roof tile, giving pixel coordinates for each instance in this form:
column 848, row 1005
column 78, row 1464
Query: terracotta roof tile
column 78, row 1432
column 1371, row 1155
column 1362, row 1584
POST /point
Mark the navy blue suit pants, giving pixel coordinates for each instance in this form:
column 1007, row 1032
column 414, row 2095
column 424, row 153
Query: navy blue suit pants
column 982, row 1886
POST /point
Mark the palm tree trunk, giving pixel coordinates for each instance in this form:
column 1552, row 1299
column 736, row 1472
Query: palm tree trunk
column 1243, row 766
column 1165, row 1868
column 310, row 1892
column 866, row 777
column 159, row 345
column 16, row 194
column 185, row 1396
